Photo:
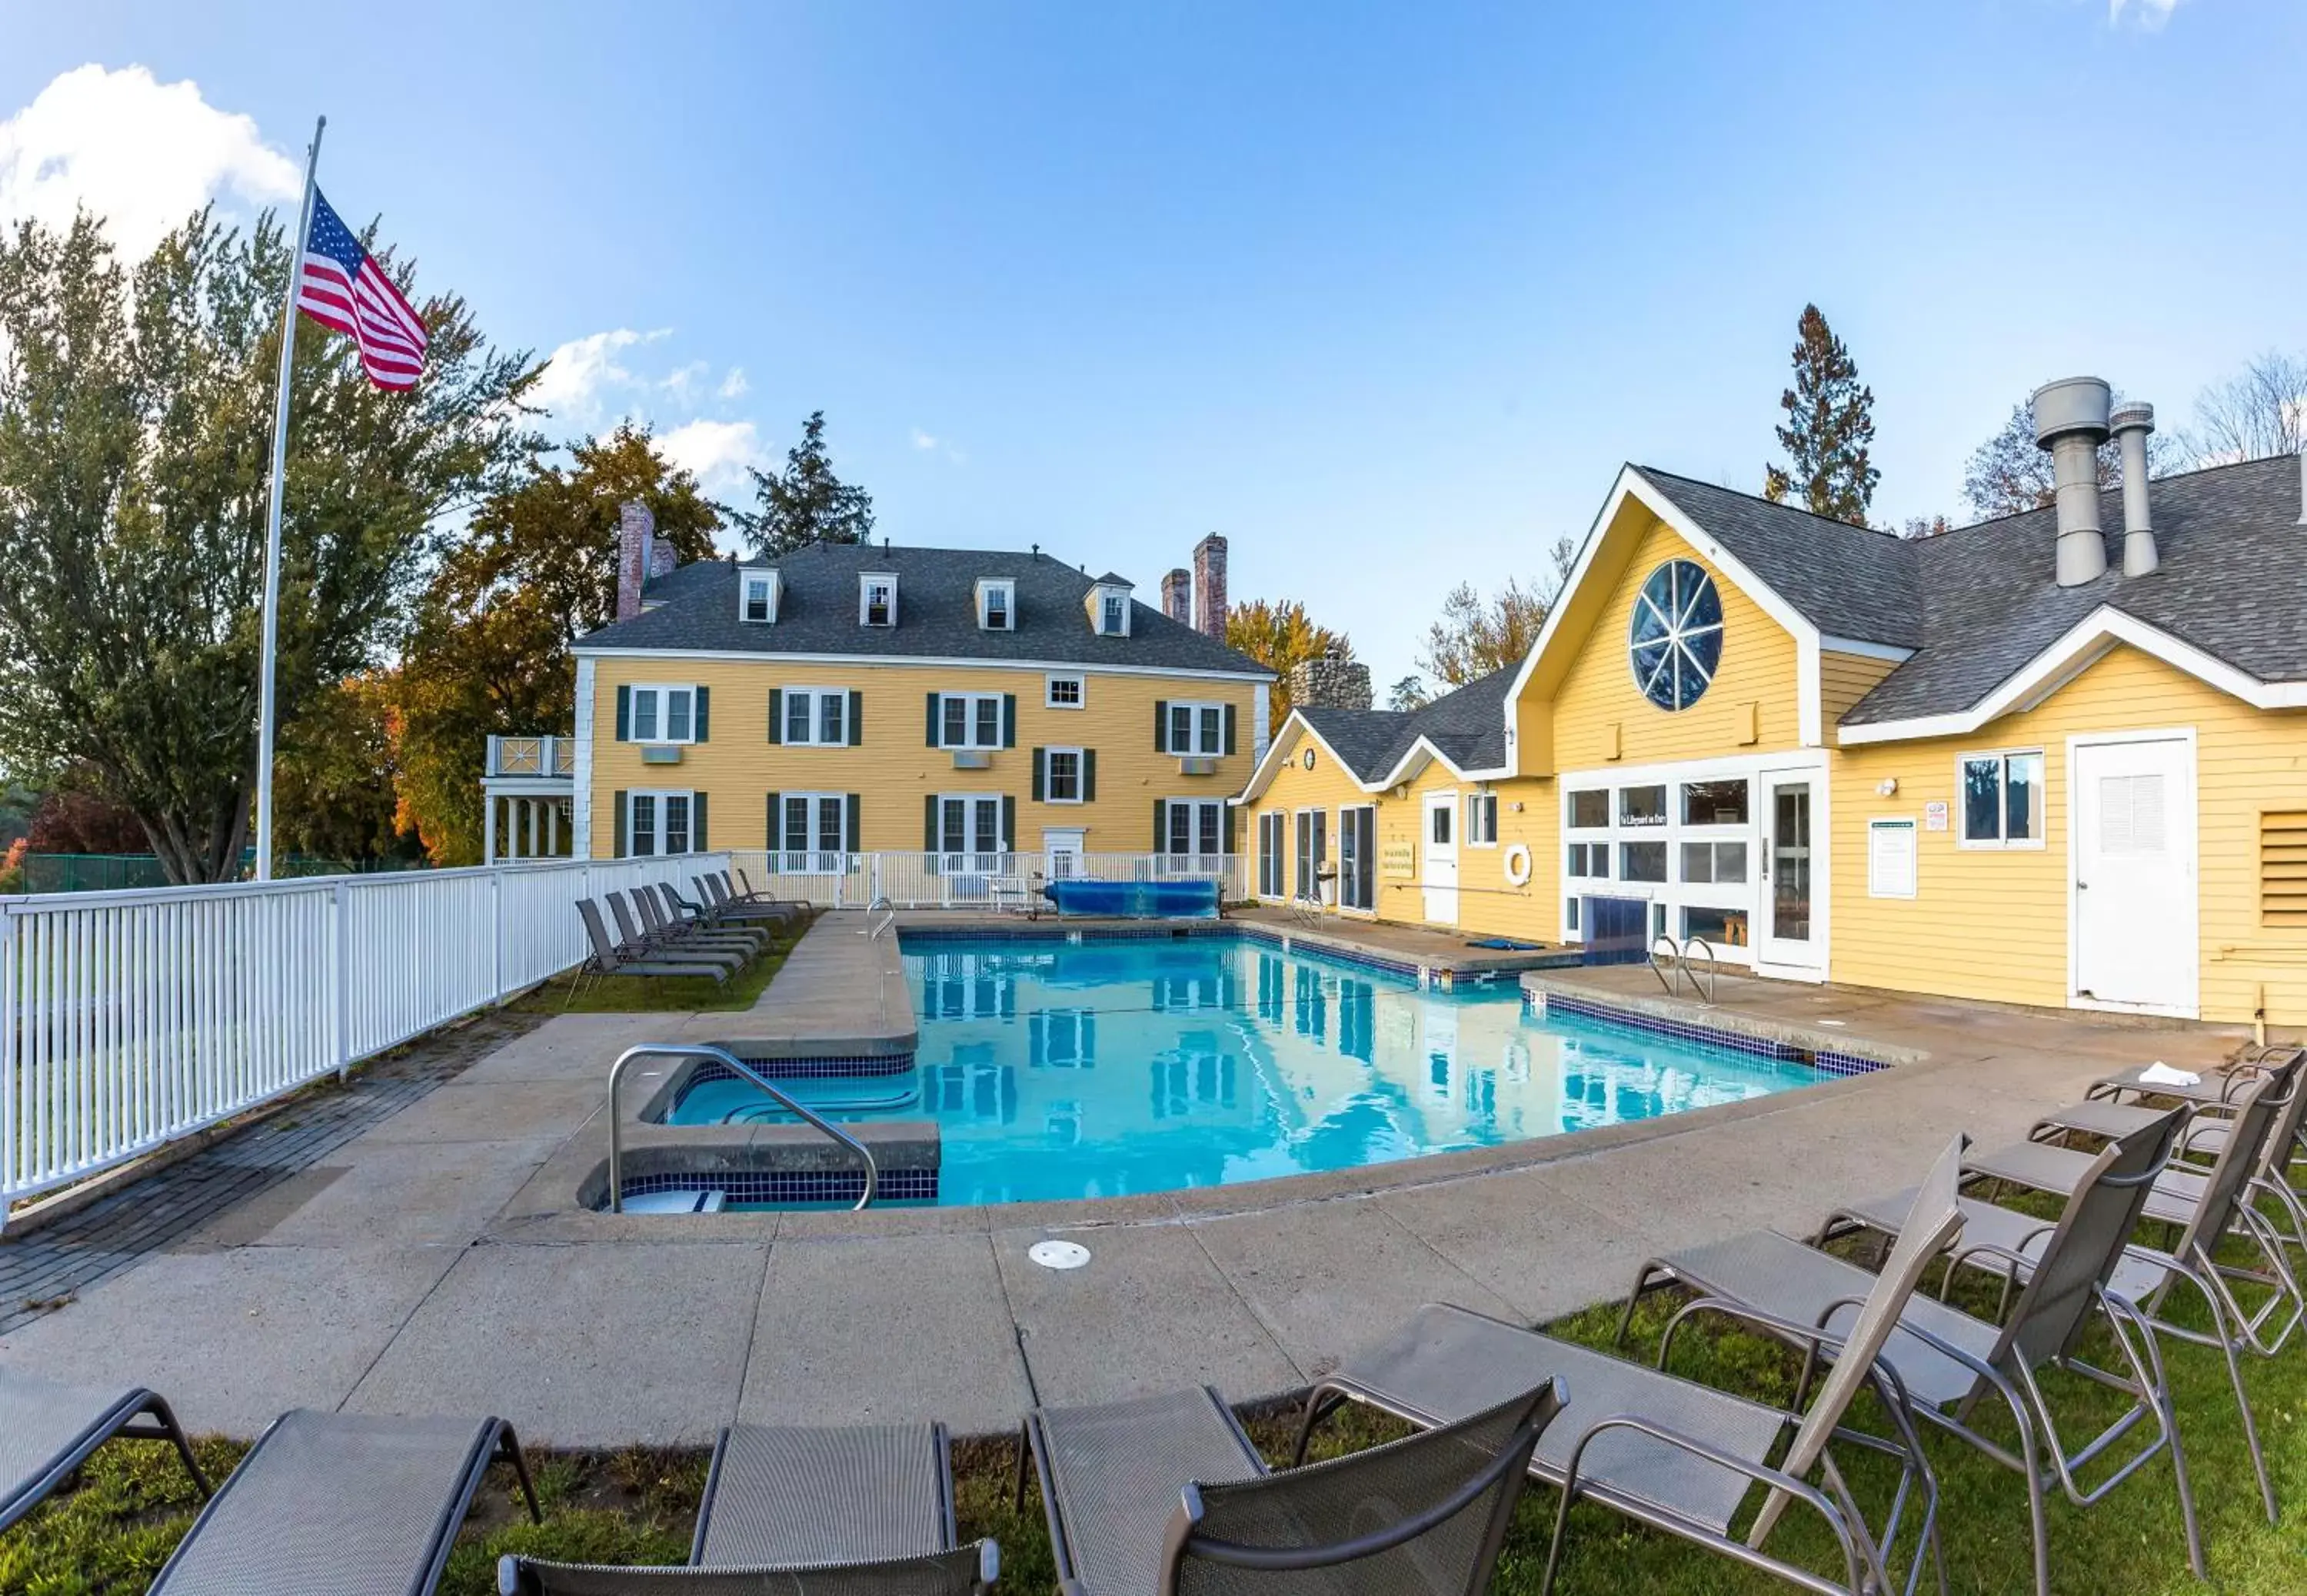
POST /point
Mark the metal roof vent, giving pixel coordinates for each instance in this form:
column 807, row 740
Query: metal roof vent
column 2133, row 421
column 2071, row 420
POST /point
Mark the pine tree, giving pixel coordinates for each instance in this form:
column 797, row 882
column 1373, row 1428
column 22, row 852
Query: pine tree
column 806, row 503
column 1830, row 423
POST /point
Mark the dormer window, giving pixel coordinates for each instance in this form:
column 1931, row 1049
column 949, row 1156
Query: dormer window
column 757, row 596
column 1108, row 607
column 877, row 599
column 996, row 604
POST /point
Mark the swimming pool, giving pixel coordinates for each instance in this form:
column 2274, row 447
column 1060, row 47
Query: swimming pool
column 1061, row 1069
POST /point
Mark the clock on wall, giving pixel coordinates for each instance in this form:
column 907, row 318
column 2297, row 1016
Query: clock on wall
column 1674, row 640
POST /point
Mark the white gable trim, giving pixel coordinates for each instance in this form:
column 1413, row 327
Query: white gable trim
column 1270, row 765
column 2089, row 640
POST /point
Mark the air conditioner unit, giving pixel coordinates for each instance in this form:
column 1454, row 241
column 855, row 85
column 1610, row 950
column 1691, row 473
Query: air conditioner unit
column 660, row 753
column 972, row 759
column 1197, row 764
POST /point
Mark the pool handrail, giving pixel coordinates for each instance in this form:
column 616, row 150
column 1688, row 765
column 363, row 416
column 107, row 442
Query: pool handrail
column 721, row 1055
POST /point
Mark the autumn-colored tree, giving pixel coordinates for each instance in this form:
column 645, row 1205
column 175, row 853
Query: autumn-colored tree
column 1830, row 423
column 1477, row 636
column 1280, row 635
column 489, row 650
column 334, row 785
column 74, row 815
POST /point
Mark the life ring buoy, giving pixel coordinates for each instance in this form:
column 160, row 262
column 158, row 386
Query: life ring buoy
column 1517, row 863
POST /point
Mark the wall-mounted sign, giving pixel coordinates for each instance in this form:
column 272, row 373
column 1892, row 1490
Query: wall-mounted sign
column 1397, row 859
column 1935, row 817
column 1889, row 858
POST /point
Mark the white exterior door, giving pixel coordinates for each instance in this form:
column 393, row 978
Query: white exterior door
column 1439, row 845
column 1792, row 936
column 2132, row 804
column 1062, row 852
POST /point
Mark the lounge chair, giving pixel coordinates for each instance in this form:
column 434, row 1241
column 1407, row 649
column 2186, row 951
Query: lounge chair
column 1949, row 1361
column 680, row 912
column 864, row 1510
column 1166, row 1494
column 723, row 905
column 609, row 960
column 746, row 893
column 679, row 942
column 1678, row 1455
column 48, row 1430
column 2008, row 1245
column 341, row 1502
column 2117, row 1103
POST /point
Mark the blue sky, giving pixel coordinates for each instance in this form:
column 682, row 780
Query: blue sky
column 1384, row 294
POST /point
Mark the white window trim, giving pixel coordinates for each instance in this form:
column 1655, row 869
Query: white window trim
column 1196, row 706
column 1336, row 840
column 866, row 582
column 657, row 833
column 816, row 717
column 1050, row 774
column 1103, row 593
column 1050, row 689
column 987, row 586
column 970, row 800
column 1194, row 833
column 811, row 855
column 1466, row 821
column 1283, row 853
column 2001, row 814
column 970, row 723
column 633, row 713
column 746, row 578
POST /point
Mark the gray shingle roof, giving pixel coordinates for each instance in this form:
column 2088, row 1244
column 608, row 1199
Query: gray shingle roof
column 1468, row 725
column 695, row 607
column 1979, row 602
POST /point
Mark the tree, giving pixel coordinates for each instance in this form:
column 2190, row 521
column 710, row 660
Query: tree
column 489, row 649
column 2260, row 411
column 1279, row 636
column 805, row 503
column 2009, row 474
column 1926, row 527
column 136, row 427
column 1830, row 423
column 1477, row 636
column 334, row 787
column 1408, row 693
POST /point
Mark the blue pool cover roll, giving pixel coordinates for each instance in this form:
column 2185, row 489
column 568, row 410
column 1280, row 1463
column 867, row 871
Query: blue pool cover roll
column 1135, row 900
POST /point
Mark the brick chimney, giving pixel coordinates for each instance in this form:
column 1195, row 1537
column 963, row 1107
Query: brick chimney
column 1210, row 586
column 1177, row 596
column 1329, row 682
column 636, row 553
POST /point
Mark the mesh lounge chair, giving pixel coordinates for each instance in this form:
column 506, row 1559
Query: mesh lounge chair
column 1674, row 1455
column 665, row 939
column 48, row 1430
column 2118, row 1103
column 745, row 893
column 2008, row 1245
column 865, row 1510
column 1949, row 1361
column 744, row 901
column 609, row 960
column 341, row 1502
column 2215, row 1090
column 681, row 912
column 721, row 906
column 1166, row 1494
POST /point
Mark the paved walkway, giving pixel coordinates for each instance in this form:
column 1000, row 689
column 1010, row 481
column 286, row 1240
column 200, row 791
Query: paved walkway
column 396, row 1274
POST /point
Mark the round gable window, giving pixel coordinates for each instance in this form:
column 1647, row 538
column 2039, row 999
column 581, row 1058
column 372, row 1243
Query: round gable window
column 1675, row 641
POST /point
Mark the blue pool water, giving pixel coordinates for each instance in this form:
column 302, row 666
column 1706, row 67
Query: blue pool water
column 1099, row 1069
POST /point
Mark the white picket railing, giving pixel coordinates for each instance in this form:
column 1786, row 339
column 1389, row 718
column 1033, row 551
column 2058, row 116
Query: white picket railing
column 968, row 880
column 128, row 1020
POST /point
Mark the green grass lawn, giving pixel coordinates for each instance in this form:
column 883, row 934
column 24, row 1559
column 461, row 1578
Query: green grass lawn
column 111, row 1533
column 645, row 995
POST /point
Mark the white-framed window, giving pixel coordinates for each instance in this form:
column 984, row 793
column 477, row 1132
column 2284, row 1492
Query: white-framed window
column 813, row 831
column 1641, row 861
column 1194, row 828
column 1590, row 809
column 877, row 599
column 662, row 714
column 757, row 596
column 1195, row 728
column 1588, row 861
column 2001, row 799
column 969, row 721
column 1642, row 806
column 996, row 604
column 1714, row 864
column 1481, row 820
column 814, row 717
column 969, row 830
column 1063, row 691
column 1062, row 782
column 1688, row 839
column 1272, row 853
column 658, row 822
column 1109, row 609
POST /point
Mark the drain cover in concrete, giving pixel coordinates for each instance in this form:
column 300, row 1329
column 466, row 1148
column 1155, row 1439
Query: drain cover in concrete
column 1058, row 1255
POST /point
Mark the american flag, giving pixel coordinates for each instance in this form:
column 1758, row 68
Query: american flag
column 340, row 286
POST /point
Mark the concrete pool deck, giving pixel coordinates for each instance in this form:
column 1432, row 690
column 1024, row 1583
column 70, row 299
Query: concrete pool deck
column 406, row 1272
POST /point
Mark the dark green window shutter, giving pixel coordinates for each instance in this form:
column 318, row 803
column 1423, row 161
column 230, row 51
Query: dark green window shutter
column 1040, row 781
column 1008, row 720
column 697, row 843
column 933, row 719
column 1160, row 726
column 1008, row 824
column 617, row 805
column 774, row 830
column 624, row 718
column 1228, row 727
column 856, row 722
column 704, row 698
column 929, row 823
column 1232, row 820
column 1089, row 775
column 777, row 714
column 853, row 829
column 1161, row 826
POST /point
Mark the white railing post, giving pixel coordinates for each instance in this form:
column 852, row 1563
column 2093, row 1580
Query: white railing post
column 341, row 1027
column 13, row 1165
column 496, row 934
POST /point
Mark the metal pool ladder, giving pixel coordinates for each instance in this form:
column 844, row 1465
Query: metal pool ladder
column 1678, row 960
column 723, row 1056
column 873, row 928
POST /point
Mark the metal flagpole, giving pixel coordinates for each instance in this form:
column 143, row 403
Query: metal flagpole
column 272, row 515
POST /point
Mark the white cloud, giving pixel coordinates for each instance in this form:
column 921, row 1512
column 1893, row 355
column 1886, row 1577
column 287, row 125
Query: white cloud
column 733, row 386
column 929, row 443
column 580, row 374
column 2151, row 13
column 717, row 453
column 142, row 154
column 684, row 381
column 924, row 440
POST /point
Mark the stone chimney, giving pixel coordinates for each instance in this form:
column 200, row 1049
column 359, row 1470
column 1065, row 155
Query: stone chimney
column 1210, row 586
column 636, row 554
column 1329, row 682
column 1177, row 596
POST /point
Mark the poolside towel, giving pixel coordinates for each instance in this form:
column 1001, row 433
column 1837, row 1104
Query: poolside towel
column 2160, row 1073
